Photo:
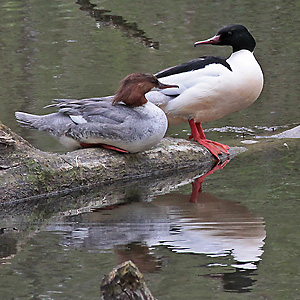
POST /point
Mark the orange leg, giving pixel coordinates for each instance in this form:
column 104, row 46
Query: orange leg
column 198, row 135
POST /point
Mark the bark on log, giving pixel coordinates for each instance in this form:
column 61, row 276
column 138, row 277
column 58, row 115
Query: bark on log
column 26, row 171
column 125, row 282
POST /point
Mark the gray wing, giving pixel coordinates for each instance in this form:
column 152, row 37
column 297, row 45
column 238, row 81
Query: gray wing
column 90, row 131
column 95, row 110
column 98, row 118
column 89, row 115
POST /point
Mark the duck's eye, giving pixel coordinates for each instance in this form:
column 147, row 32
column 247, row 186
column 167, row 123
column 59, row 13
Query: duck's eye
column 229, row 33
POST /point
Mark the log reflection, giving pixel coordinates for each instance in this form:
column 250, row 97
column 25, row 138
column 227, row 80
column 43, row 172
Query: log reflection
column 104, row 19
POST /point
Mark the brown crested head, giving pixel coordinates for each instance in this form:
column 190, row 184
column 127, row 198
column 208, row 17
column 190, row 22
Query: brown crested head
column 134, row 87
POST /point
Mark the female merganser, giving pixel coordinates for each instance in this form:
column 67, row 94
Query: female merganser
column 212, row 87
column 126, row 123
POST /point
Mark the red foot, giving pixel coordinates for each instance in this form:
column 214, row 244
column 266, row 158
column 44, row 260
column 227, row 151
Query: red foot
column 198, row 135
column 214, row 147
column 114, row 148
column 86, row 145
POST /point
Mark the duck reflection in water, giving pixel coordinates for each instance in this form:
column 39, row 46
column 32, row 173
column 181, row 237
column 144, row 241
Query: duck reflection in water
column 221, row 231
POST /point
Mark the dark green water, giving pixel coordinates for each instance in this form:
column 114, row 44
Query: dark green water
column 240, row 240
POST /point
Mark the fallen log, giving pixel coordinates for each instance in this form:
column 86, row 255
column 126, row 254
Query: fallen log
column 125, row 282
column 26, row 171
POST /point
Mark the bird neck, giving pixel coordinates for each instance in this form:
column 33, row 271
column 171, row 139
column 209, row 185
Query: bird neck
column 244, row 43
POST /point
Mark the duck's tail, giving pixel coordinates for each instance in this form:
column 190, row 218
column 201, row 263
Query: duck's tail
column 54, row 123
column 29, row 120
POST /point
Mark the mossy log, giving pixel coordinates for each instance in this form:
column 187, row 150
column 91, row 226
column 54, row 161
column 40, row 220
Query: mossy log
column 125, row 282
column 26, row 171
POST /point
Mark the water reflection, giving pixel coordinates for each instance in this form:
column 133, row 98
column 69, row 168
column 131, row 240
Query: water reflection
column 104, row 19
column 223, row 230
column 240, row 281
column 212, row 226
column 23, row 215
column 142, row 226
column 8, row 243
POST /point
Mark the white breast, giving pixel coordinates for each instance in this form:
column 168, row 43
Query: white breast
column 148, row 130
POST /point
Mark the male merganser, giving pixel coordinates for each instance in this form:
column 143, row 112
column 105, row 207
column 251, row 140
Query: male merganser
column 212, row 87
column 126, row 123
